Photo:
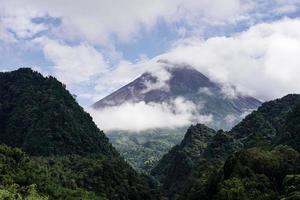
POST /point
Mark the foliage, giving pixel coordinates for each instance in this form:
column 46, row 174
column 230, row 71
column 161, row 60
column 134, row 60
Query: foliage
column 291, row 187
column 262, row 127
column 67, row 156
column 291, row 133
column 69, row 177
column 201, row 146
column 225, row 167
column 186, row 154
column 144, row 149
column 258, row 173
column 40, row 116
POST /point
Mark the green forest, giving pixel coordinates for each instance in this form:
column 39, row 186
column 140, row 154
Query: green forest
column 258, row 159
column 51, row 148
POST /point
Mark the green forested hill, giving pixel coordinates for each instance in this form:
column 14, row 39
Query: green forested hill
column 69, row 177
column 249, row 174
column 248, row 162
column 41, row 117
column 61, row 153
column 291, row 131
column 176, row 164
column 269, row 121
column 202, row 149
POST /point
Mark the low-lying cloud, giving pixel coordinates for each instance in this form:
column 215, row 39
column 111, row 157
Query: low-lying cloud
column 142, row 116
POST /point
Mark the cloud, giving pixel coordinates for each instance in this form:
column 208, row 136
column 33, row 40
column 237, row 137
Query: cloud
column 178, row 113
column 101, row 21
column 73, row 64
column 162, row 76
column 262, row 61
column 234, row 119
column 16, row 20
column 125, row 71
column 205, row 91
column 229, row 91
column 231, row 119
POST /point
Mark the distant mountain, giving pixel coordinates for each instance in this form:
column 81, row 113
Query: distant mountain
column 143, row 149
column 186, row 82
column 64, row 155
column 198, row 167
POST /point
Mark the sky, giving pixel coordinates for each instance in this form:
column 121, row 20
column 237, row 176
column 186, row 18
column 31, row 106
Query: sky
column 97, row 46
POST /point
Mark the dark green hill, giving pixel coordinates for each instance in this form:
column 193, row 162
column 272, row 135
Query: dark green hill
column 194, row 169
column 291, row 133
column 186, row 154
column 250, row 174
column 263, row 126
column 67, row 156
column 201, row 146
column 41, row 117
column 70, row 177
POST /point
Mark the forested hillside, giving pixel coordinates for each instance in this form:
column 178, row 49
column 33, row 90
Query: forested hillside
column 64, row 155
column 40, row 116
column 257, row 159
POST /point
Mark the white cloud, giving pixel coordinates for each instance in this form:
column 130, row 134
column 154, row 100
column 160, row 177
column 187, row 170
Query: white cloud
column 178, row 113
column 124, row 72
column 231, row 119
column 5, row 35
column 73, row 64
column 206, row 91
column 99, row 21
column 262, row 61
column 229, row 92
column 16, row 19
column 162, row 76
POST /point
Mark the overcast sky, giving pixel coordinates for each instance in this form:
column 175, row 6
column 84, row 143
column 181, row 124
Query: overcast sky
column 96, row 46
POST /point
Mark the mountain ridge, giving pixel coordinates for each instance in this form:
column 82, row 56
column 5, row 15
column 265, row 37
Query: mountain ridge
column 182, row 81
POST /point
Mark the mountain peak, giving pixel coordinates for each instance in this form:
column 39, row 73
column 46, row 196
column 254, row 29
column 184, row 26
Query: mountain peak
column 149, row 87
column 172, row 81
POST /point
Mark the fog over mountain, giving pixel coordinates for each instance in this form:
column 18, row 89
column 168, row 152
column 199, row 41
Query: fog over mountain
column 172, row 96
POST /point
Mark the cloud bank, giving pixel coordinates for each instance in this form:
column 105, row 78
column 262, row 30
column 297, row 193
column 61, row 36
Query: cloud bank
column 100, row 21
column 178, row 113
